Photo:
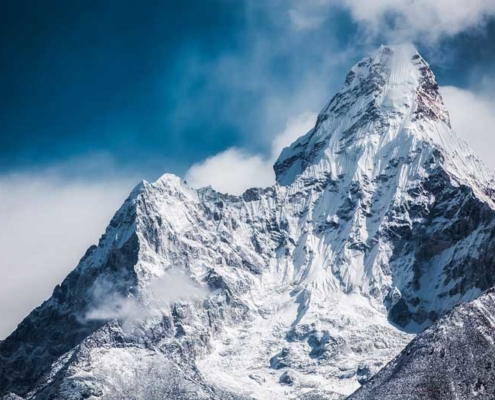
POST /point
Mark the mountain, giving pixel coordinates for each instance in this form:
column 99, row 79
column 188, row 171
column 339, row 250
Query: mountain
column 453, row 359
column 380, row 222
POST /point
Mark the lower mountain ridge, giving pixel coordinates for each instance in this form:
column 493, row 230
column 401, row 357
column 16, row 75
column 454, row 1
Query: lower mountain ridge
column 380, row 223
column 452, row 359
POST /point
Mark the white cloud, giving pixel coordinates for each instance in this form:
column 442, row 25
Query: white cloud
column 295, row 127
column 233, row 170
column 48, row 222
column 400, row 20
column 171, row 287
column 473, row 119
column 422, row 19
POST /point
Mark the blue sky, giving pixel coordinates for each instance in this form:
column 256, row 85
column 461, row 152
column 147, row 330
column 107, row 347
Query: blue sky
column 98, row 95
column 154, row 86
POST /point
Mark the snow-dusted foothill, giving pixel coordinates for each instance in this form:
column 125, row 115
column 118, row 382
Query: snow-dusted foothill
column 380, row 222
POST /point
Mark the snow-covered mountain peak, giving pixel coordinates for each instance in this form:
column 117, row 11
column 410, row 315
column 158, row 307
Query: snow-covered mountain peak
column 389, row 100
column 390, row 68
column 388, row 119
column 393, row 78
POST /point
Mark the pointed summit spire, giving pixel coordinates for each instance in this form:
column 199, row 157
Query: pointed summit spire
column 395, row 76
column 398, row 70
column 387, row 96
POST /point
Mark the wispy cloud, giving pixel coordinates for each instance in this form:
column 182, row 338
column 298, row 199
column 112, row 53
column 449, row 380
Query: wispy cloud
column 279, row 67
column 304, row 20
column 160, row 294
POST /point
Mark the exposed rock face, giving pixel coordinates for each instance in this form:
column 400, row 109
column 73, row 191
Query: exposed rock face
column 380, row 222
column 452, row 359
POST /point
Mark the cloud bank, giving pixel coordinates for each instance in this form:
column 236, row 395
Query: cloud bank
column 411, row 19
column 48, row 222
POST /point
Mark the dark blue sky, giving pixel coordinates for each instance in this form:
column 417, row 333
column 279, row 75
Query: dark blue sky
column 158, row 85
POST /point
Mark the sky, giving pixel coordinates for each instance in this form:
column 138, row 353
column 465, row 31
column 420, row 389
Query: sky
column 99, row 95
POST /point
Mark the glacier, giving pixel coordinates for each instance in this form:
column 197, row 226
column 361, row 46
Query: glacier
column 381, row 221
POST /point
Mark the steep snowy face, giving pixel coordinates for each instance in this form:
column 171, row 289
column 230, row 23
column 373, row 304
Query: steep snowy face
column 388, row 108
column 403, row 184
column 381, row 221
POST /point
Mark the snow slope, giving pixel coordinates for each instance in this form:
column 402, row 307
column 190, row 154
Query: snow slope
column 381, row 221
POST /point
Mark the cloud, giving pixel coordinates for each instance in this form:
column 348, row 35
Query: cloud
column 48, row 221
column 231, row 171
column 165, row 290
column 422, row 19
column 303, row 21
column 473, row 119
column 295, row 127
column 400, row 20
column 234, row 170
